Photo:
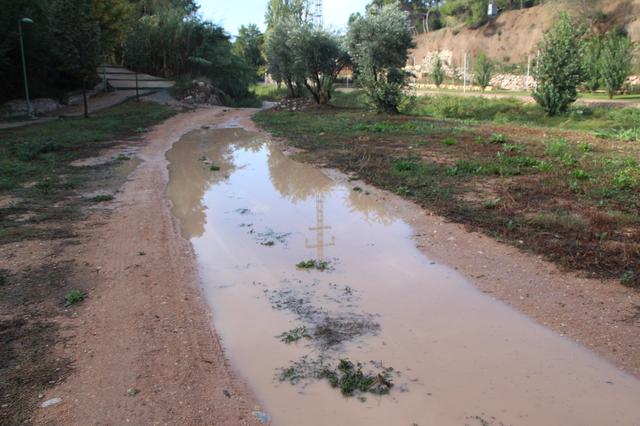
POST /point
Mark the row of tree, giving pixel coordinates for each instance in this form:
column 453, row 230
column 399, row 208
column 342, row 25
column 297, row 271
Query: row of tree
column 70, row 38
column 302, row 55
column 570, row 56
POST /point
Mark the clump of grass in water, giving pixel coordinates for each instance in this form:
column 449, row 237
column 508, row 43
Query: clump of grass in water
column 320, row 265
column 350, row 378
column 294, row 335
column 102, row 198
column 74, row 296
column 347, row 376
column 122, row 157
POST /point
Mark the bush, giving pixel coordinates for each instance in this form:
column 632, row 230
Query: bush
column 560, row 68
column 378, row 44
column 438, row 72
column 617, row 53
column 483, row 71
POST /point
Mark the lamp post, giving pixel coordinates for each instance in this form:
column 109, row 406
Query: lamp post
column 24, row 64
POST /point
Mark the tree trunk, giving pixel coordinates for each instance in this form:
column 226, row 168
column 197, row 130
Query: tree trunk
column 314, row 91
column 84, row 97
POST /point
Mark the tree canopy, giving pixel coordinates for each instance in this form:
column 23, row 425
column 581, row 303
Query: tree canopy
column 378, row 44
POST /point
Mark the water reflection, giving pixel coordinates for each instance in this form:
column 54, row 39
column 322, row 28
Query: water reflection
column 320, row 229
column 295, row 181
column 459, row 355
column 191, row 174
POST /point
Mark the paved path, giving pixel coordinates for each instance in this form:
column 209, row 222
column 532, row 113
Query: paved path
column 121, row 79
column 96, row 103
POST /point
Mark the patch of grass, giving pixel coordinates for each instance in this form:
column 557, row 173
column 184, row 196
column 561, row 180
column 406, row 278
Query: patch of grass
column 101, row 198
column 449, row 142
column 294, row 335
column 269, row 92
column 498, row 138
column 122, row 157
column 33, row 152
column 214, row 168
column 568, row 171
column 351, row 380
column 74, row 297
column 628, row 278
column 320, row 265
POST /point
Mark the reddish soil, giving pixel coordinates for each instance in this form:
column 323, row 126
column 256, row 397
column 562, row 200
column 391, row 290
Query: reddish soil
column 143, row 347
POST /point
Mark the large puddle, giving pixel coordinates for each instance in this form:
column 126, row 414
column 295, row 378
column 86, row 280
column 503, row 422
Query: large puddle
column 454, row 355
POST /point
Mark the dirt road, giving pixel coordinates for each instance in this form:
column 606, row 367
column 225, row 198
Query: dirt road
column 143, row 348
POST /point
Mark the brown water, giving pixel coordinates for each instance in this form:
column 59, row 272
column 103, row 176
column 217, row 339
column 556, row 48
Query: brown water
column 459, row 356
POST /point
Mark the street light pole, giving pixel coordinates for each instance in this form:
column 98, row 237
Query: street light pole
column 24, row 64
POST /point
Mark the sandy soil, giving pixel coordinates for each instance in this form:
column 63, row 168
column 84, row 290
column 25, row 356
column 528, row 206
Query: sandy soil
column 143, row 347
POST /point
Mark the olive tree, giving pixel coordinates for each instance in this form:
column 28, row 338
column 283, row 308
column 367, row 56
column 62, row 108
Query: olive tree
column 559, row 70
column 283, row 62
column 378, row 44
column 320, row 57
column 615, row 58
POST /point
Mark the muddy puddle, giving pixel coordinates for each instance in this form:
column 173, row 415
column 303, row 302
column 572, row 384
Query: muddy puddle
column 302, row 272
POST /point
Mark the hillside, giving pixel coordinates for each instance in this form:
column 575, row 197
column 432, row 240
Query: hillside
column 514, row 35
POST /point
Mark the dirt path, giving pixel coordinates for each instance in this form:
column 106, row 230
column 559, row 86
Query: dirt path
column 143, row 348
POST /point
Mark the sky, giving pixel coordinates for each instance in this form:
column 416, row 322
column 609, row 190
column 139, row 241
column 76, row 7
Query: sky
column 232, row 14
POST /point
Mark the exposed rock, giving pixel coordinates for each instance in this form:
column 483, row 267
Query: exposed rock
column 40, row 106
column 202, row 92
column 75, row 97
column 294, row 104
column 50, row 402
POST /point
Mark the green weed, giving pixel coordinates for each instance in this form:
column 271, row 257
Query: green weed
column 294, row 335
column 320, row 265
column 350, row 379
column 73, row 297
column 498, row 138
column 102, row 198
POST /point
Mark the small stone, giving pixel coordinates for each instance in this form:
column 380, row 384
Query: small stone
column 133, row 392
column 262, row 416
column 50, row 402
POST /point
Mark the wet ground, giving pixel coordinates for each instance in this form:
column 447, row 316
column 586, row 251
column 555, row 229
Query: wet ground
column 302, row 272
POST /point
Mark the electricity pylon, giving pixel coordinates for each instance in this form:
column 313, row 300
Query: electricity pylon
column 318, row 17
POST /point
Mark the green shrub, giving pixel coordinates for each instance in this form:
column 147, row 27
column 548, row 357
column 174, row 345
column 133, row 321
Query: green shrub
column 483, row 71
column 437, row 74
column 74, row 296
column 559, row 71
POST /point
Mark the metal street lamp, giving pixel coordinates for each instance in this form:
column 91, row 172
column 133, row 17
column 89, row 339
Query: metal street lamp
column 24, row 65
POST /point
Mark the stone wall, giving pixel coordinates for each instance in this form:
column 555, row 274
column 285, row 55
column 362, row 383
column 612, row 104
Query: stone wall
column 422, row 68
